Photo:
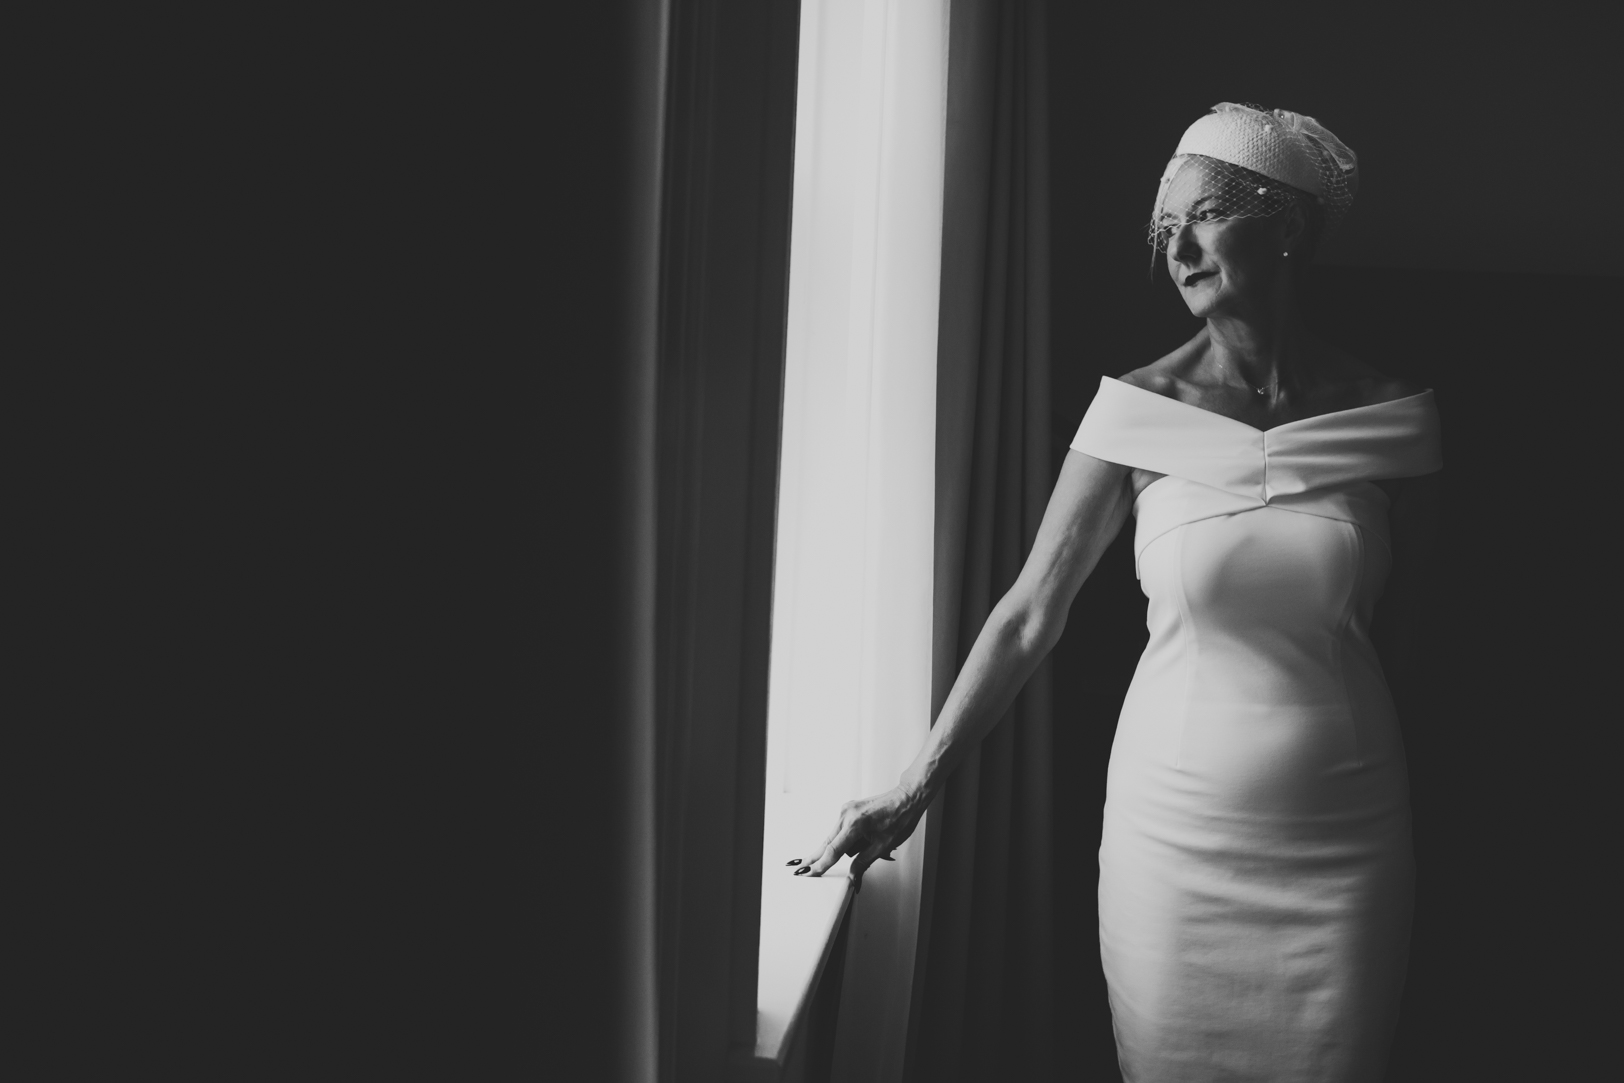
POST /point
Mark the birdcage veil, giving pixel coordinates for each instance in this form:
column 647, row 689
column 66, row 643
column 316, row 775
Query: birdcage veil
column 1254, row 163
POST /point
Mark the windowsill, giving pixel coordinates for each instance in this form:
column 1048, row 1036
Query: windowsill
column 800, row 918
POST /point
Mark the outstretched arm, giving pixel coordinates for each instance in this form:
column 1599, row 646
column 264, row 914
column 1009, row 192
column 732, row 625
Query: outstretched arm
column 1090, row 503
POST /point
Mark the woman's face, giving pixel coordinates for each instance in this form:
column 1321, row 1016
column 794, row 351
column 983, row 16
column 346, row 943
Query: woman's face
column 1222, row 266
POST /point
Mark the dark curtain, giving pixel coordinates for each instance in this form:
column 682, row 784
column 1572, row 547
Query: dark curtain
column 984, row 979
column 726, row 166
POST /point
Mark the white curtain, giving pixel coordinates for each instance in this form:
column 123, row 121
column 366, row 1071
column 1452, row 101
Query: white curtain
column 851, row 659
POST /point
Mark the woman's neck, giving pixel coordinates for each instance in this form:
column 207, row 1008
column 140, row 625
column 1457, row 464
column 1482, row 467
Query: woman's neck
column 1266, row 353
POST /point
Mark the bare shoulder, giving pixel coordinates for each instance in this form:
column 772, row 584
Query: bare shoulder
column 1168, row 374
column 1150, row 378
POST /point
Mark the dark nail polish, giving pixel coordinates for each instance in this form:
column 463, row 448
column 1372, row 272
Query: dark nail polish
column 803, row 870
column 793, row 861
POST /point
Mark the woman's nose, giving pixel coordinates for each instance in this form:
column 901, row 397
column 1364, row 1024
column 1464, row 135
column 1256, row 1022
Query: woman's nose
column 1181, row 243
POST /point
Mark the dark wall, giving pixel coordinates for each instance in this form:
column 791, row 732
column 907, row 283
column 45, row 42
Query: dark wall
column 362, row 321
column 1428, row 282
column 1479, row 139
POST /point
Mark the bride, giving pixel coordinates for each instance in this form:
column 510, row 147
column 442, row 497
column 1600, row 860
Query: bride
column 1255, row 863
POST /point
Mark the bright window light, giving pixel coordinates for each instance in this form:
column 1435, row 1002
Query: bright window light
column 849, row 702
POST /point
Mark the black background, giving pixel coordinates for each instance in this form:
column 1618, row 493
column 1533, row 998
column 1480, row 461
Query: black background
column 324, row 349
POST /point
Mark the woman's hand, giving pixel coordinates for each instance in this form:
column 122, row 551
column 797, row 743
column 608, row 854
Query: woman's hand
column 871, row 829
column 1091, row 501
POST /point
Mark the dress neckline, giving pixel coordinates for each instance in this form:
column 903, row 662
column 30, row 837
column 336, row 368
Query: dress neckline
column 1272, row 428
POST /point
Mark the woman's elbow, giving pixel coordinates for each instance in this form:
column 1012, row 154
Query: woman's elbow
column 1036, row 626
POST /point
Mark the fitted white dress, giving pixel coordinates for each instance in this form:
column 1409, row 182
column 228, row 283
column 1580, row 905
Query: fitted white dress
column 1255, row 864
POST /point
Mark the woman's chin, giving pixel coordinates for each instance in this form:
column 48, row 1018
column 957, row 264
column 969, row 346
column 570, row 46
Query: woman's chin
column 1200, row 305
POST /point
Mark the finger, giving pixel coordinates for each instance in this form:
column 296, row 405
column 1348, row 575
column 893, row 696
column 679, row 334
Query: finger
column 828, row 840
column 845, row 839
column 848, row 841
column 831, row 854
column 808, row 863
column 809, row 867
column 867, row 857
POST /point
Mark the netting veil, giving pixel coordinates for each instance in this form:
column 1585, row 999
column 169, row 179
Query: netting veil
column 1253, row 163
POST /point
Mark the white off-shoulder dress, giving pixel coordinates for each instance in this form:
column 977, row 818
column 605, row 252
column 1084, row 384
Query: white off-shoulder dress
column 1255, row 863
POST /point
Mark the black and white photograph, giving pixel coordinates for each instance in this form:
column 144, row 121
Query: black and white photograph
column 821, row 541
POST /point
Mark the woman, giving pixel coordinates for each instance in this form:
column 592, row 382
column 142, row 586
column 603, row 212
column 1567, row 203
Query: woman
column 1255, row 864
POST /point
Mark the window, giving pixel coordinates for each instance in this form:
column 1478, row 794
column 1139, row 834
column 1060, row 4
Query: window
column 849, row 699
column 850, row 554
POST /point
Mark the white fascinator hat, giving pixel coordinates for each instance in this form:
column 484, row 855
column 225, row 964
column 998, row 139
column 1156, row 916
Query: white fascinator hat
column 1235, row 145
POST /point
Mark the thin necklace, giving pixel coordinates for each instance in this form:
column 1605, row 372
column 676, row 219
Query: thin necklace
column 1260, row 390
